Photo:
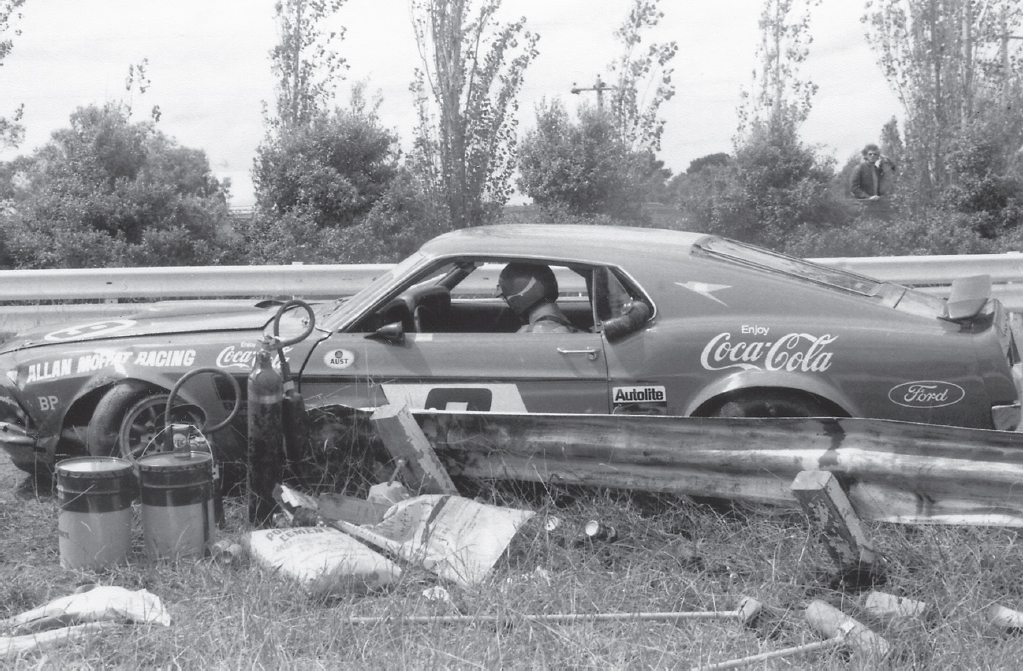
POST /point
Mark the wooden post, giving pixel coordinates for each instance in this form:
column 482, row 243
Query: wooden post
column 404, row 439
column 827, row 505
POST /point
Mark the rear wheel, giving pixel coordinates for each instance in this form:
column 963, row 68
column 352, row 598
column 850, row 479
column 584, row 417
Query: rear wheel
column 771, row 403
column 129, row 420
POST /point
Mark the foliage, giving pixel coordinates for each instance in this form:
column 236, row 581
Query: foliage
column 774, row 186
column 107, row 192
column 780, row 96
column 986, row 182
column 698, row 164
column 604, row 166
column 331, row 170
column 942, row 58
column 399, row 221
column 11, row 132
column 585, row 168
column 636, row 119
column 472, row 72
column 908, row 234
column 303, row 62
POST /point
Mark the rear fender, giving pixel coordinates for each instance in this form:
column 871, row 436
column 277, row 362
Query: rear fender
column 768, row 379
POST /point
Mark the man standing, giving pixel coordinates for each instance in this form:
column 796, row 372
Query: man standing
column 874, row 177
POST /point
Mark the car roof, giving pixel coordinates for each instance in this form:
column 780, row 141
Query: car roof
column 599, row 244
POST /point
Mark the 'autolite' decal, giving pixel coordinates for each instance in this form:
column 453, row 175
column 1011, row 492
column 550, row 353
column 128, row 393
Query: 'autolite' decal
column 792, row 352
column 926, row 394
column 638, row 395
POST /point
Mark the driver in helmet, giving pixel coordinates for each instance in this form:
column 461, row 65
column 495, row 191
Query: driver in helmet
column 531, row 291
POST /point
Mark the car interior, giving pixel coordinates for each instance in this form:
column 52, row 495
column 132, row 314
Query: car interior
column 460, row 297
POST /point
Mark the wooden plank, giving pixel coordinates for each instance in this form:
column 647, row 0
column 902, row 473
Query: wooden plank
column 404, row 439
column 823, row 500
column 350, row 509
column 892, row 471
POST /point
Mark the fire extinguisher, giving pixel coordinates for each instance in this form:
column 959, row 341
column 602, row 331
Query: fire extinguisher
column 265, row 453
column 297, row 441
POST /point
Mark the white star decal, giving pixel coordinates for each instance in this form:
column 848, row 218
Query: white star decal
column 705, row 290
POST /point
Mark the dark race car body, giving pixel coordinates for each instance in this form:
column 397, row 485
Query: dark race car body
column 668, row 323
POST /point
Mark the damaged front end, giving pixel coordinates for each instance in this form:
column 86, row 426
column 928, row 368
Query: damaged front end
column 17, row 432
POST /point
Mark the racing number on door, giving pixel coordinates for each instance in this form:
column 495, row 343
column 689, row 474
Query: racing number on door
column 454, row 398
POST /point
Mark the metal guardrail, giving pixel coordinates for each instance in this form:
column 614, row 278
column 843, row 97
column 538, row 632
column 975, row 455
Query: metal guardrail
column 57, row 295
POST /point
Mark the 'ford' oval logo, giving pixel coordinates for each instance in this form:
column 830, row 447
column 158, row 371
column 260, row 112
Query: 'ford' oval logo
column 926, row 394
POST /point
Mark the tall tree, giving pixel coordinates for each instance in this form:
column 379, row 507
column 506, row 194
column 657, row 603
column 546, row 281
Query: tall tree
column 775, row 185
column 941, row 57
column 642, row 79
column 780, row 95
column 304, row 61
column 472, row 72
column 11, row 131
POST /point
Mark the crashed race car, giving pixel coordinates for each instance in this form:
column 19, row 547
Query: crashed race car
column 648, row 322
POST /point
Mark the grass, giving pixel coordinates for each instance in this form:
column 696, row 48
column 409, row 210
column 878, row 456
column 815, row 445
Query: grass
column 671, row 554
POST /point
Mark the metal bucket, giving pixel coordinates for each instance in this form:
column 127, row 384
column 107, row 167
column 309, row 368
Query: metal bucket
column 94, row 525
column 177, row 504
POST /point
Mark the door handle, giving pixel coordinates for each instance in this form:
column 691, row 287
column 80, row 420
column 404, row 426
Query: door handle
column 590, row 352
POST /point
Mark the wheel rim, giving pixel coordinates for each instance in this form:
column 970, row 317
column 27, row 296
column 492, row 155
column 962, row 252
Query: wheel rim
column 143, row 425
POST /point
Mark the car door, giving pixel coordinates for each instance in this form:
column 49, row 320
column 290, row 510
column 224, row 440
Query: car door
column 497, row 372
column 467, row 357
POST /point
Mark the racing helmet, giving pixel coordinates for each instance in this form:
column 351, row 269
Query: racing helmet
column 523, row 285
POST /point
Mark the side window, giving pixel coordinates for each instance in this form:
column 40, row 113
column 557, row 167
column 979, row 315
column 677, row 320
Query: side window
column 618, row 310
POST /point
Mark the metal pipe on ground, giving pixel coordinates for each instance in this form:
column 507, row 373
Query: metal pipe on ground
column 747, row 611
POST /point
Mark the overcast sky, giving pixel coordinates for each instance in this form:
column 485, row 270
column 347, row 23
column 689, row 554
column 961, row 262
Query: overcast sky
column 210, row 72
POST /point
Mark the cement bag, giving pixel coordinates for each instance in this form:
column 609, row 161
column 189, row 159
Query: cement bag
column 457, row 538
column 324, row 561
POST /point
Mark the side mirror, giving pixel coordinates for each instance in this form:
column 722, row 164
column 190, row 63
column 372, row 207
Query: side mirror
column 630, row 321
column 389, row 333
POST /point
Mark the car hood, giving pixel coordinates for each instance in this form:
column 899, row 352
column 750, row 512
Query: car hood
column 157, row 319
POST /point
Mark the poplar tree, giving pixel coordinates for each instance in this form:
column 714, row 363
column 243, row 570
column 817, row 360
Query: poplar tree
column 466, row 98
column 642, row 78
column 11, row 131
column 304, row 60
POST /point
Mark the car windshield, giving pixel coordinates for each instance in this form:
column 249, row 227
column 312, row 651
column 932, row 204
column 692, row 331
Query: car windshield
column 791, row 266
column 344, row 309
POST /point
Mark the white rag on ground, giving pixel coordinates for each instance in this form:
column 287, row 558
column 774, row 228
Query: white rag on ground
column 80, row 616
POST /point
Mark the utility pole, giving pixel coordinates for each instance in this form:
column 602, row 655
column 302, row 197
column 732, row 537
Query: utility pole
column 599, row 86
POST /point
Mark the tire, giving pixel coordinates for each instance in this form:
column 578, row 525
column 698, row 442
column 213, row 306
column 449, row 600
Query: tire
column 771, row 403
column 129, row 418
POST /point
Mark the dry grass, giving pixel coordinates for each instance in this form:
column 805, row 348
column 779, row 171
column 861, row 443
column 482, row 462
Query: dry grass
column 671, row 555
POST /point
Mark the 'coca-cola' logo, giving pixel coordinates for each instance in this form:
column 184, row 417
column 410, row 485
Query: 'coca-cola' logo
column 242, row 357
column 792, row 352
column 926, row 394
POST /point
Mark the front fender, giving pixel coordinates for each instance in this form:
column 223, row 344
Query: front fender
column 79, row 410
column 753, row 379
